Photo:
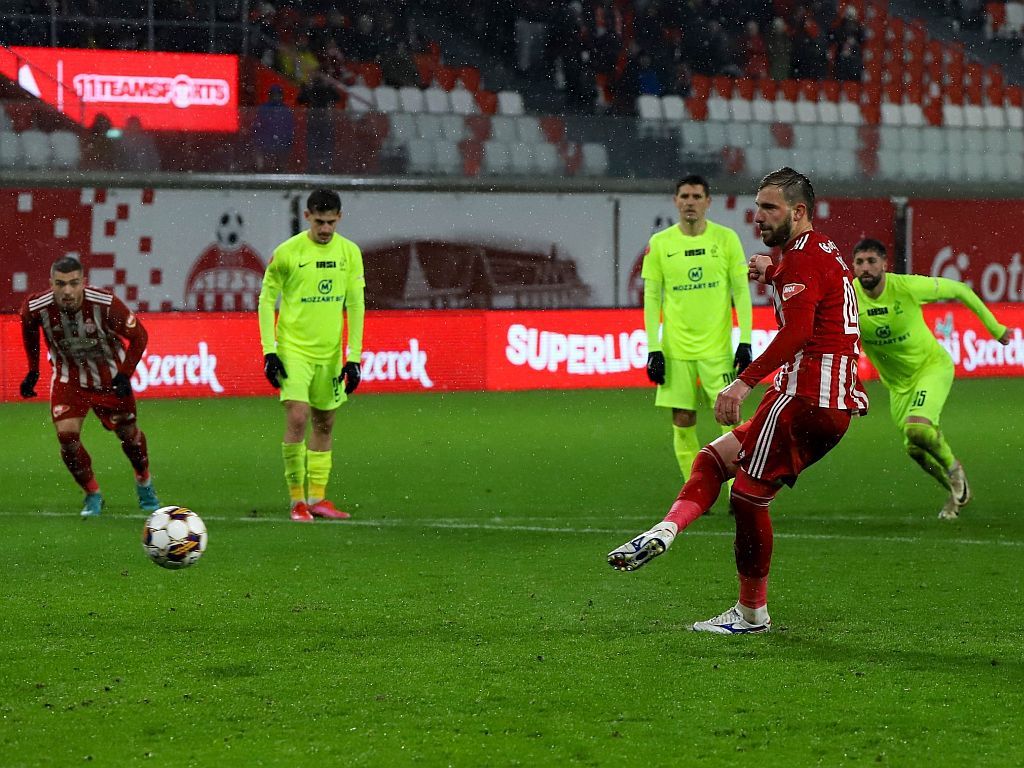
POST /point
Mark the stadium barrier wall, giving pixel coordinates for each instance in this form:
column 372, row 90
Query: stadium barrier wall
column 219, row 355
column 165, row 249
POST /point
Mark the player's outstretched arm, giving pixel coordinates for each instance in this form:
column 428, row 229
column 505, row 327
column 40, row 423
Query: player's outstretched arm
column 30, row 341
column 953, row 289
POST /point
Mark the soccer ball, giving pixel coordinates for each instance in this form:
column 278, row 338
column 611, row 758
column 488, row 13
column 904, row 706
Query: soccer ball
column 229, row 230
column 174, row 537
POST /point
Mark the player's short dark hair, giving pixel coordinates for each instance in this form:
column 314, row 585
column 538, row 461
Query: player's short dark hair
column 65, row 264
column 870, row 244
column 695, row 180
column 796, row 188
column 323, row 201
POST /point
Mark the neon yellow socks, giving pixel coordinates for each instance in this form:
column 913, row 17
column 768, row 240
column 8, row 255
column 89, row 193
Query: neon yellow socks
column 926, row 445
column 295, row 469
column 684, row 440
column 319, row 470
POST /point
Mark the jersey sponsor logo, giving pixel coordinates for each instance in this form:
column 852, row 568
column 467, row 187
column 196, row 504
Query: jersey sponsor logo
column 174, row 370
column 789, row 290
column 397, row 365
column 326, row 265
column 324, row 286
column 873, row 311
column 696, row 252
column 883, row 332
column 305, row 265
column 59, row 410
column 579, row 353
column 670, row 255
column 695, row 274
column 829, row 247
column 90, row 326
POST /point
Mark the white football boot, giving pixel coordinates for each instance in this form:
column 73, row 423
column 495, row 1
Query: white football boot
column 644, row 548
column 950, row 510
column 958, row 485
column 732, row 623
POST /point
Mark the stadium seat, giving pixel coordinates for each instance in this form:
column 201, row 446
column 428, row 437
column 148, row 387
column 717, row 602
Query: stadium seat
column 496, row 158
column 510, row 103
column 402, row 129
column 385, row 98
column 691, row 137
column 649, row 115
column 463, row 101
column 846, row 137
column 35, row 148
column 503, row 129
column 545, row 158
column 737, row 134
column 762, row 111
column 955, row 140
column 528, row 129
column 10, row 150
column 995, row 141
column 912, row 137
column 846, row 164
column 760, row 135
column 715, row 135
column 994, row 116
column 741, row 108
column 783, row 110
column 65, row 149
column 447, row 158
column 674, row 110
column 995, row 167
column 718, row 108
column 595, row 159
column 454, row 127
column 436, row 101
column 933, row 140
column 520, row 155
column 889, row 164
column 428, row 126
column 410, row 99
column 892, row 114
column 360, row 99
column 5, row 120
column 952, row 115
column 421, row 156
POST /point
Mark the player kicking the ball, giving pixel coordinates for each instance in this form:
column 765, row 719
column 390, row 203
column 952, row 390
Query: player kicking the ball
column 801, row 417
column 318, row 275
column 85, row 329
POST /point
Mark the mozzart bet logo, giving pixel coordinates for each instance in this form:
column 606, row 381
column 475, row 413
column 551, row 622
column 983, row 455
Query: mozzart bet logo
column 181, row 91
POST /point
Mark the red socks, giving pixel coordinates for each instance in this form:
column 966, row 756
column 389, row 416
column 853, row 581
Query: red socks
column 77, row 460
column 135, row 449
column 750, row 500
column 701, row 490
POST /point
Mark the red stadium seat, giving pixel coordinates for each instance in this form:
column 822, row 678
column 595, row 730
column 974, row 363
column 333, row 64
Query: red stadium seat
column 470, row 78
column 851, row 91
column 444, row 77
column 995, row 17
column 1015, row 96
column 700, row 87
column 553, row 129
column 722, row 86
column 487, row 101
column 767, row 88
column 426, row 63
column 830, row 90
column 790, row 90
column 953, row 93
column 744, row 88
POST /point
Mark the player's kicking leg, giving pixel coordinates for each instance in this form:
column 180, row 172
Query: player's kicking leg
column 738, row 620
column 715, row 463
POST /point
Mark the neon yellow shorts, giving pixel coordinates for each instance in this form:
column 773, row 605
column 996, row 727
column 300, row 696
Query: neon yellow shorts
column 685, row 380
column 316, row 383
column 925, row 397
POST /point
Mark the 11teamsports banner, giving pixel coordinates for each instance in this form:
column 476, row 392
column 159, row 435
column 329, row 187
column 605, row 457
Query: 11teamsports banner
column 165, row 91
column 219, row 355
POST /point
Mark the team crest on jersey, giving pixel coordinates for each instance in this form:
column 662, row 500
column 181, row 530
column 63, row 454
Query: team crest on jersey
column 59, row 410
column 789, row 290
column 90, row 326
column 130, row 322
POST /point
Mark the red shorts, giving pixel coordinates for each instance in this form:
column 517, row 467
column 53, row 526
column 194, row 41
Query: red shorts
column 69, row 401
column 787, row 434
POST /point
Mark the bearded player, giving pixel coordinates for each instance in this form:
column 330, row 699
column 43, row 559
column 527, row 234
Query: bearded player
column 85, row 330
column 801, row 417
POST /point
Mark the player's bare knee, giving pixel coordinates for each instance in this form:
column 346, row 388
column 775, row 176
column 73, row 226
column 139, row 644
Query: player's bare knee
column 916, row 437
column 70, row 440
column 683, row 418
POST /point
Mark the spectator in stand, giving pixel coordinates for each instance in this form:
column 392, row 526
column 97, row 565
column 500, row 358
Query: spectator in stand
column 627, row 85
column 362, row 44
column 849, row 61
column 296, row 60
column 780, row 50
column 649, row 29
column 138, row 147
column 810, row 55
column 273, row 132
column 398, row 67
column 320, row 96
column 647, row 76
column 681, row 82
column 531, row 31
column 262, row 37
column 99, row 153
column 580, row 82
column 752, row 51
column 334, row 64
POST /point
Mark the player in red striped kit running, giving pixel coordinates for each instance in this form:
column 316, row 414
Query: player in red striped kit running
column 85, row 330
column 801, row 417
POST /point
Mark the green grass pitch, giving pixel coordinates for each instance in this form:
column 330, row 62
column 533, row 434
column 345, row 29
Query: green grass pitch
column 466, row 615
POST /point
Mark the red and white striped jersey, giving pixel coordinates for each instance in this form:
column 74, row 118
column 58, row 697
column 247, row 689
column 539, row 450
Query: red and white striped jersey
column 812, row 280
column 87, row 345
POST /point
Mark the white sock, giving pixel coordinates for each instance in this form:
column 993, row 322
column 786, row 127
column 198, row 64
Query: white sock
column 753, row 615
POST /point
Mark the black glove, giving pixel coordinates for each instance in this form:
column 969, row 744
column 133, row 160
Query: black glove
column 28, row 384
column 353, row 375
column 656, row 367
column 743, row 358
column 122, row 385
column 274, row 370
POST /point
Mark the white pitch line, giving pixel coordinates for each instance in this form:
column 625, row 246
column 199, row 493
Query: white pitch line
column 498, row 525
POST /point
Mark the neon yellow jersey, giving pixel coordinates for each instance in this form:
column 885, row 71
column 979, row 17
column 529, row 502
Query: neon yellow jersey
column 896, row 338
column 694, row 282
column 316, row 284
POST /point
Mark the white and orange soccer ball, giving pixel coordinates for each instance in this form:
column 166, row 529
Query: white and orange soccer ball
column 174, row 537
